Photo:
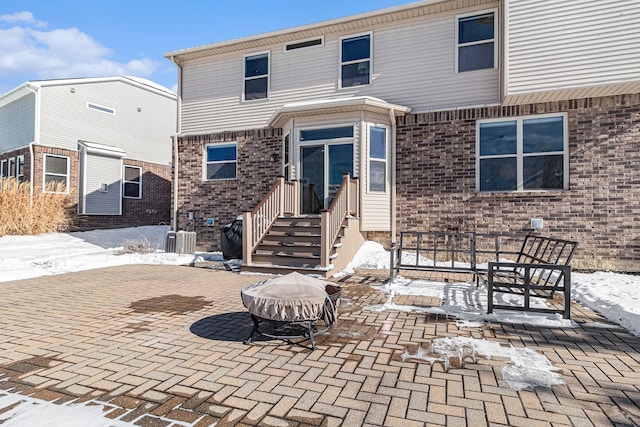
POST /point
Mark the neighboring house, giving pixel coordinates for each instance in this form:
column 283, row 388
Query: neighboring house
column 107, row 140
column 469, row 115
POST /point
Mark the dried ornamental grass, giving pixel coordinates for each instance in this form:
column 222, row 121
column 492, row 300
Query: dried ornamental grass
column 49, row 211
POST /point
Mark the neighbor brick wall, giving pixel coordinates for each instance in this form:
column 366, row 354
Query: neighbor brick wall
column 224, row 200
column 436, row 179
column 154, row 208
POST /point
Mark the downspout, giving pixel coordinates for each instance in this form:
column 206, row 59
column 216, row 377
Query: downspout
column 36, row 137
column 392, row 117
column 174, row 138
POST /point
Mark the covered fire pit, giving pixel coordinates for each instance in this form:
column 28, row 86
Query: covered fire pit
column 290, row 307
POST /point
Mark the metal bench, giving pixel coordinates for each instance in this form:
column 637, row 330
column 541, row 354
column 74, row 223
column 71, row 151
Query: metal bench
column 541, row 270
column 541, row 267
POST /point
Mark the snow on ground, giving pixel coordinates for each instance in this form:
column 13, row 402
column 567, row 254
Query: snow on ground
column 615, row 296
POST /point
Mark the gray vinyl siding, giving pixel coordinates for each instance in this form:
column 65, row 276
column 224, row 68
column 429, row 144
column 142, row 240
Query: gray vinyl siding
column 144, row 135
column 557, row 44
column 97, row 170
column 18, row 123
column 413, row 65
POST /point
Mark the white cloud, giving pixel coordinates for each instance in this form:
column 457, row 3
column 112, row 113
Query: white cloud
column 22, row 17
column 26, row 50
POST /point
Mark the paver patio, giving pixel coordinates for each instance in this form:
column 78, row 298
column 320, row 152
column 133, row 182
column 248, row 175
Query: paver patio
column 162, row 346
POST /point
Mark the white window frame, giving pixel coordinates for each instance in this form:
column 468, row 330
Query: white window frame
column 11, row 169
column 101, row 108
column 315, row 46
column 268, row 75
column 44, row 173
column 3, row 169
column 340, row 63
column 371, row 159
column 138, row 183
column 286, row 155
column 494, row 39
column 520, row 155
column 20, row 168
column 206, row 162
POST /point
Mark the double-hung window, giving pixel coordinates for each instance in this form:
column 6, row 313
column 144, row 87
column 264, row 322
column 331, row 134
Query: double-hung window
column 355, row 61
column 12, row 167
column 377, row 159
column 20, row 168
column 256, row 76
column 132, row 183
column 221, row 161
column 3, row 169
column 56, row 172
column 522, row 154
column 476, row 42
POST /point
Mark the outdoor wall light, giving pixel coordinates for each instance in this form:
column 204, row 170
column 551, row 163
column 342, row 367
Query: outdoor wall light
column 273, row 157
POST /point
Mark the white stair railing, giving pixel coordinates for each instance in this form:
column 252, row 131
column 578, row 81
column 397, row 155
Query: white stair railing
column 345, row 203
column 281, row 200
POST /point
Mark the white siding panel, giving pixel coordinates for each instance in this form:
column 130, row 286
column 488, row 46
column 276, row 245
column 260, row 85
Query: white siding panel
column 558, row 44
column 102, row 170
column 375, row 213
column 17, row 123
column 413, row 65
column 144, row 135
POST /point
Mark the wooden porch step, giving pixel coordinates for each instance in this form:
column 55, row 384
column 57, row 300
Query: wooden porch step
column 285, row 261
column 280, row 269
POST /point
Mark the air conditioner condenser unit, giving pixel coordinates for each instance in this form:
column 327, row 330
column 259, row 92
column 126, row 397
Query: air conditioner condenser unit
column 181, row 242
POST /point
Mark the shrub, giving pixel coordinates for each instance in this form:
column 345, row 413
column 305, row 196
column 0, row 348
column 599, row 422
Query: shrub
column 139, row 246
column 48, row 212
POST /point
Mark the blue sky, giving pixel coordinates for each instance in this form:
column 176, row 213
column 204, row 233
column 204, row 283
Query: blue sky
column 47, row 39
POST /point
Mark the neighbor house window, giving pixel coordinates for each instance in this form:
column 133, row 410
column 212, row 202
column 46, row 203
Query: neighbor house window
column 56, row 171
column 476, row 42
column 355, row 61
column 523, row 154
column 377, row 159
column 20, row 168
column 132, row 184
column 256, row 76
column 221, row 161
column 3, row 169
column 12, row 167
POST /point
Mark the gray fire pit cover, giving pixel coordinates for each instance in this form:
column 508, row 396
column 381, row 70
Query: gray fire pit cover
column 289, row 298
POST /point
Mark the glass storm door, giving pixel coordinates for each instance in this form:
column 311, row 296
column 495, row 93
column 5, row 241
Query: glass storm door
column 322, row 169
column 312, row 158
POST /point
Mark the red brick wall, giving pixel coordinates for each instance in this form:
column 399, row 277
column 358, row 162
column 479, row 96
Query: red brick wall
column 601, row 210
column 224, row 200
column 152, row 209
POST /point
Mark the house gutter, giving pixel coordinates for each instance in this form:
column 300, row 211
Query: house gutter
column 174, row 138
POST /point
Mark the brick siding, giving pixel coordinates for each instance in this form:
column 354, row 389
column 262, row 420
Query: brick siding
column 436, row 179
column 224, row 200
column 152, row 209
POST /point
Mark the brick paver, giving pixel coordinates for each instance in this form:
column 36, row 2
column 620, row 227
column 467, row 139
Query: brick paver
column 163, row 346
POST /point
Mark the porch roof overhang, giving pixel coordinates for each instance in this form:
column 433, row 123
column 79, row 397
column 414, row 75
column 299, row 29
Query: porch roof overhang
column 334, row 105
column 102, row 149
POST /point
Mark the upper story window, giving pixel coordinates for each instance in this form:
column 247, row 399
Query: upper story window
column 221, row 161
column 132, row 184
column 377, row 159
column 256, row 76
column 56, row 171
column 355, row 61
column 523, row 154
column 102, row 108
column 476, row 40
